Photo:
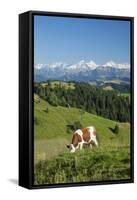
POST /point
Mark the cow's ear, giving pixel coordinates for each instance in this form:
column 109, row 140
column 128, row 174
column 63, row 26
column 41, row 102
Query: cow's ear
column 68, row 146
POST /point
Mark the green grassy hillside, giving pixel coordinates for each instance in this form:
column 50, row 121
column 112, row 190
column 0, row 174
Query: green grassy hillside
column 51, row 130
column 50, row 150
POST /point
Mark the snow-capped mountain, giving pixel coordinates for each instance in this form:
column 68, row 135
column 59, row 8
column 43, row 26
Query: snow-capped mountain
column 116, row 65
column 81, row 71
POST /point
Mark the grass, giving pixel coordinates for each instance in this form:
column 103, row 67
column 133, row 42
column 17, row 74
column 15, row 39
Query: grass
column 51, row 127
column 84, row 166
column 108, row 88
column 48, row 148
column 113, row 81
column 116, row 81
column 125, row 94
column 53, row 162
column 63, row 84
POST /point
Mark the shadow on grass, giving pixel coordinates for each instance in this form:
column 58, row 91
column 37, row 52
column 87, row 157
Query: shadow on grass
column 112, row 130
column 46, row 111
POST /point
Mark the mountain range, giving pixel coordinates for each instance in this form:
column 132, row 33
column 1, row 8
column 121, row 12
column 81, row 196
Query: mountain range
column 82, row 71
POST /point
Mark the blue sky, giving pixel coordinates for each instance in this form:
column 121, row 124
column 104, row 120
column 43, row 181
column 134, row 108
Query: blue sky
column 69, row 40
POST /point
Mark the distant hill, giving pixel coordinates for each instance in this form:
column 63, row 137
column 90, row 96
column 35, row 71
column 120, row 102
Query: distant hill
column 121, row 87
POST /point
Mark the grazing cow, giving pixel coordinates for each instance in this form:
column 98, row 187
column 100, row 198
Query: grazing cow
column 81, row 136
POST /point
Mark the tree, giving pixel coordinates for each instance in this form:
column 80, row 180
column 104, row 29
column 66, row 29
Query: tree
column 63, row 101
column 116, row 129
column 53, row 100
column 49, row 83
column 108, row 104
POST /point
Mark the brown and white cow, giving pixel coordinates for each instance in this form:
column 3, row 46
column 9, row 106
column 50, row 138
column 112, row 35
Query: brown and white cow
column 86, row 135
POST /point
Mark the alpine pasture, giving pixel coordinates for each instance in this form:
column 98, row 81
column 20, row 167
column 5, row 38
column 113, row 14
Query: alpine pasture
column 55, row 164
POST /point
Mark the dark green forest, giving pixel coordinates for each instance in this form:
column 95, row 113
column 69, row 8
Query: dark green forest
column 110, row 104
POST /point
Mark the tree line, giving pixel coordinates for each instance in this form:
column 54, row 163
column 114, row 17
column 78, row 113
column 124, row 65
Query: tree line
column 95, row 100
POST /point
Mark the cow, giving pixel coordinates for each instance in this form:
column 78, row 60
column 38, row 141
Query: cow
column 85, row 135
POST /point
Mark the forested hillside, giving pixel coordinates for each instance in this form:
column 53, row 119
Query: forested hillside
column 110, row 104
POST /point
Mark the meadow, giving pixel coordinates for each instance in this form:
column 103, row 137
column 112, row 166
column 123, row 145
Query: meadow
column 54, row 163
column 102, row 164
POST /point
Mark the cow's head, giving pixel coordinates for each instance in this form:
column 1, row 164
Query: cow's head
column 71, row 148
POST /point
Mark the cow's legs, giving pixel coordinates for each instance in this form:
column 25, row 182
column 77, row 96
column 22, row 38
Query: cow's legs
column 81, row 145
column 77, row 146
column 96, row 142
column 90, row 145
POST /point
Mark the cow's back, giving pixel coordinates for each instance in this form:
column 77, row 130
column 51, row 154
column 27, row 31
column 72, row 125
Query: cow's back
column 88, row 133
column 84, row 134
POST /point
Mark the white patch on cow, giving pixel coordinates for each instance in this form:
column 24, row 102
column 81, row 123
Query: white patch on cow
column 91, row 130
column 92, row 136
column 79, row 132
column 95, row 141
column 73, row 149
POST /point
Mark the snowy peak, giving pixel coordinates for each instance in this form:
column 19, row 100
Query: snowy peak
column 81, row 71
column 116, row 65
column 39, row 66
column 92, row 64
column 82, row 62
column 110, row 64
column 82, row 65
column 57, row 64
